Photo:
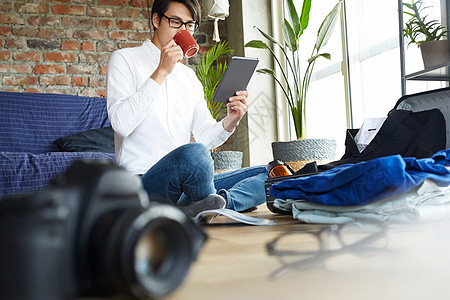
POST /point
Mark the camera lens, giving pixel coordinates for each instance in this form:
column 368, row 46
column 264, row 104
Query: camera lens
column 162, row 255
column 151, row 252
column 143, row 252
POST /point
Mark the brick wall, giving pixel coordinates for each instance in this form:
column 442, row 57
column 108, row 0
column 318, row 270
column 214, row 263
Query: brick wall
column 63, row 46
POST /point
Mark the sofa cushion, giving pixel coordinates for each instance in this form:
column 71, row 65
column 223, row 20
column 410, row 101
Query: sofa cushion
column 93, row 140
column 32, row 122
column 27, row 172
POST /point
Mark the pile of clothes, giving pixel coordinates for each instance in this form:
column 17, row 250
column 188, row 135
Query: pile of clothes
column 391, row 188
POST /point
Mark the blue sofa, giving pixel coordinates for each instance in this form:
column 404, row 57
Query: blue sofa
column 42, row 134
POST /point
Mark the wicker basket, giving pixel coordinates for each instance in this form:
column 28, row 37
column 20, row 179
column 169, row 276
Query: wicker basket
column 226, row 160
column 298, row 153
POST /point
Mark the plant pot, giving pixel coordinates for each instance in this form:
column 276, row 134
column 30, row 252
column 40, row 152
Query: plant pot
column 435, row 53
column 298, row 153
column 226, row 160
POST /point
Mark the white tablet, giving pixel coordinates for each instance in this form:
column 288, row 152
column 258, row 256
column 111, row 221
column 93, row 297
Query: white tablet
column 236, row 78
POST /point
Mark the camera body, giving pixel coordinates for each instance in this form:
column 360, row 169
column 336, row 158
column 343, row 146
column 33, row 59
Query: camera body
column 94, row 232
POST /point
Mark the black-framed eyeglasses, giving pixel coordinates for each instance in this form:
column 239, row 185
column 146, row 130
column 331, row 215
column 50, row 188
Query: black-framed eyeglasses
column 177, row 23
column 306, row 249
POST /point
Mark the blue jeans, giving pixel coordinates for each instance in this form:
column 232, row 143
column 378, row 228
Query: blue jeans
column 187, row 174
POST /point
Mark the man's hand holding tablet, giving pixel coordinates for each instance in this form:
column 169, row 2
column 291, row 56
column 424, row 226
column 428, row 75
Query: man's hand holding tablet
column 232, row 90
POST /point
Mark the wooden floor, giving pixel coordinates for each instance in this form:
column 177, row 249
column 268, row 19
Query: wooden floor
column 234, row 264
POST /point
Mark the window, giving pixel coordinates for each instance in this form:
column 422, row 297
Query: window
column 371, row 30
column 374, row 59
column 326, row 98
column 325, row 103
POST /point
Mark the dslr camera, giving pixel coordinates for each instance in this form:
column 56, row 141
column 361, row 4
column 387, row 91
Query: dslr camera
column 93, row 233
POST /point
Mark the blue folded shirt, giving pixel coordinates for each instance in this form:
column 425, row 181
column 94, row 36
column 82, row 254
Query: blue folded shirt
column 366, row 182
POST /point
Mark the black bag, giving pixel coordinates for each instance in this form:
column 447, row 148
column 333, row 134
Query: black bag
column 410, row 134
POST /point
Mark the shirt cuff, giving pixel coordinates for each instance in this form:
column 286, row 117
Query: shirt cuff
column 223, row 134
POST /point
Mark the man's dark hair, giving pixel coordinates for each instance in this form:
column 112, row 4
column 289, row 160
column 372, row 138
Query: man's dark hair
column 161, row 6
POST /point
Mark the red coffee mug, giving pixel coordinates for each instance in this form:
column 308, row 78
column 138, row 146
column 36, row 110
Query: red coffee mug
column 187, row 43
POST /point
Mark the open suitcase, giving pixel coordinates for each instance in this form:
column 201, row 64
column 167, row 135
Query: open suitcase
column 420, row 102
column 439, row 99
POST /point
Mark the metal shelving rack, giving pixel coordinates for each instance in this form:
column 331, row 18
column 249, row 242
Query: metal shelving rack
column 438, row 73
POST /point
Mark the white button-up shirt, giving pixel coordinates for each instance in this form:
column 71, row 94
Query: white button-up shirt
column 150, row 120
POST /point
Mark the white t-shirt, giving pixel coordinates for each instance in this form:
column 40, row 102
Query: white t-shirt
column 150, row 120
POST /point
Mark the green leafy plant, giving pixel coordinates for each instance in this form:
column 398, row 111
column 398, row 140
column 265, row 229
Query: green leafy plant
column 417, row 28
column 209, row 71
column 296, row 89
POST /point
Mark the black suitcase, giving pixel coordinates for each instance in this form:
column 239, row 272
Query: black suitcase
column 439, row 99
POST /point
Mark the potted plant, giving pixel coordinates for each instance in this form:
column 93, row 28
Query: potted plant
column 210, row 71
column 296, row 90
column 426, row 34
